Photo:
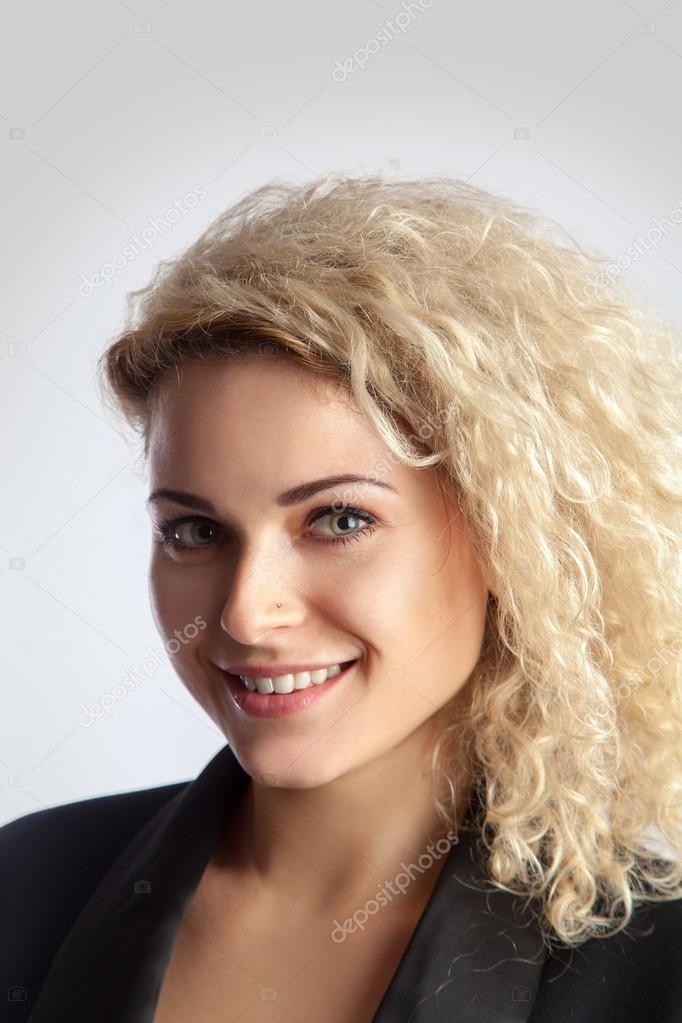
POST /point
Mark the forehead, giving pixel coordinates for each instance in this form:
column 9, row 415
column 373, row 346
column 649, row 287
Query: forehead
column 267, row 416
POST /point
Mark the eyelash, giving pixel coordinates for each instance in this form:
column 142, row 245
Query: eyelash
column 166, row 529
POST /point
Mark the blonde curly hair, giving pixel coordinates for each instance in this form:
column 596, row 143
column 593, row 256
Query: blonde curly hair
column 547, row 398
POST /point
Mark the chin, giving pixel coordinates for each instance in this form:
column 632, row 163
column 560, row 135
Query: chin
column 288, row 769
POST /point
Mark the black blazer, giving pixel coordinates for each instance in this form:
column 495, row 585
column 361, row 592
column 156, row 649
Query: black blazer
column 93, row 893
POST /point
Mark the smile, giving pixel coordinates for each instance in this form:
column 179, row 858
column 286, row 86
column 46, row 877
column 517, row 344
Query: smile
column 261, row 699
column 291, row 681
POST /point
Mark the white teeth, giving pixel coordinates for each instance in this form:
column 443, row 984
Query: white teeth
column 282, row 683
column 302, row 679
column 287, row 683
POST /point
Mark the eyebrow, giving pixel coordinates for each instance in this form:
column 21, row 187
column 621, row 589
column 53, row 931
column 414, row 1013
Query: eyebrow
column 296, row 495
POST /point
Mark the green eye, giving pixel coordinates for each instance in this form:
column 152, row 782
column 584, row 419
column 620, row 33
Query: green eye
column 197, row 530
column 201, row 533
column 350, row 514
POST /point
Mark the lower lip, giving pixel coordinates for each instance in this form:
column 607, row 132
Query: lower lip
column 280, row 705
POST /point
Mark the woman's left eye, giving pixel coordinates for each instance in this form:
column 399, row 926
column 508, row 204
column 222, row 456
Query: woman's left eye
column 346, row 513
column 170, row 529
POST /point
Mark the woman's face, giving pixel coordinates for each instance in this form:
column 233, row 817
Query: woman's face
column 403, row 595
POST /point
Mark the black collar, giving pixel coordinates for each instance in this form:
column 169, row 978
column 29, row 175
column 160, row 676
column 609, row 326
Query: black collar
column 475, row 955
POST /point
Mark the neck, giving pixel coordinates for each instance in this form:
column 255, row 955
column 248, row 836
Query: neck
column 331, row 846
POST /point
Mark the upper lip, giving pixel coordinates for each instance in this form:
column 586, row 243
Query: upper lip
column 269, row 670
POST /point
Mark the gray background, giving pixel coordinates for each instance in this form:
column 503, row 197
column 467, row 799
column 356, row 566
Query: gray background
column 110, row 114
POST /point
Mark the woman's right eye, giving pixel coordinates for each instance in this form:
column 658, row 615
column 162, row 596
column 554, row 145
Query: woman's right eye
column 169, row 529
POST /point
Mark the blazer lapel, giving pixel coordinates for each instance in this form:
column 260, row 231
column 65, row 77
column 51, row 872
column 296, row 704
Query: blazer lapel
column 111, row 964
column 475, row 954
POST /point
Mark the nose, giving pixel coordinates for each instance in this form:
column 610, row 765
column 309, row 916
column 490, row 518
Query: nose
column 260, row 581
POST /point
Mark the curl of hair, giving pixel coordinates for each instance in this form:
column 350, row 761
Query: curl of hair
column 547, row 398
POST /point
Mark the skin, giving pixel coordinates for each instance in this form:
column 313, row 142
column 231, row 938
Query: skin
column 342, row 789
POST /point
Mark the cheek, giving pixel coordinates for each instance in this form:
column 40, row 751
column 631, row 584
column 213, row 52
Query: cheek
column 160, row 596
column 174, row 603
column 398, row 594
column 374, row 602
column 428, row 615
column 175, row 613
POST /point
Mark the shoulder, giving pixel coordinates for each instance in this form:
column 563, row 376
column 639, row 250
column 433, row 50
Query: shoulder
column 51, row 861
column 119, row 812
column 633, row 975
column 83, row 836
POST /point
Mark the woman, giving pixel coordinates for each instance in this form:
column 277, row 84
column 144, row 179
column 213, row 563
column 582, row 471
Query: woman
column 415, row 496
